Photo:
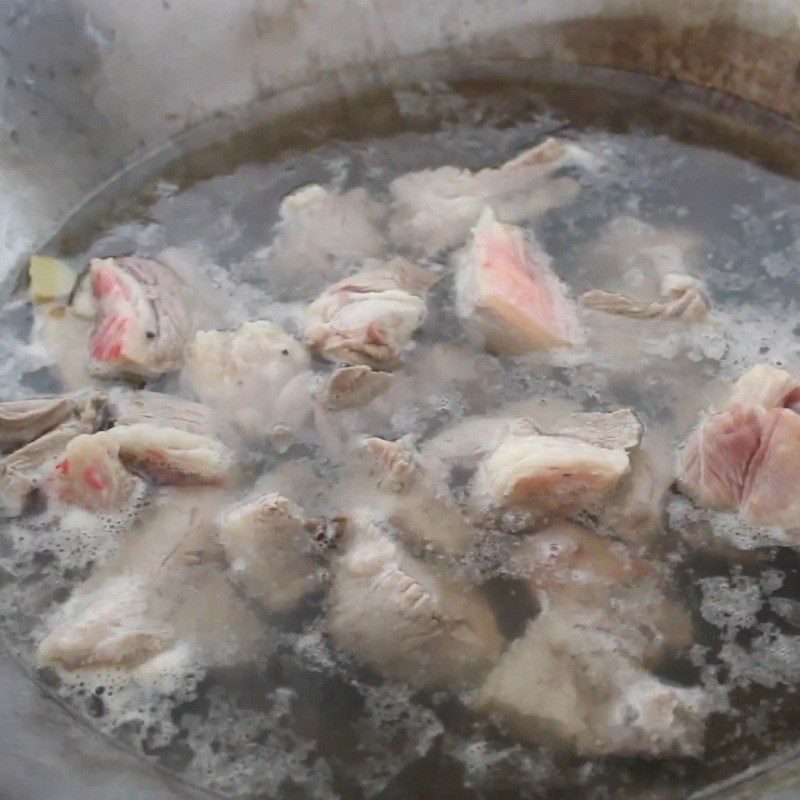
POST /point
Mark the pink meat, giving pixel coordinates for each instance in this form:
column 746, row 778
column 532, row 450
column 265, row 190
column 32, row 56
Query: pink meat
column 771, row 493
column 717, row 457
column 121, row 309
column 509, row 286
column 142, row 321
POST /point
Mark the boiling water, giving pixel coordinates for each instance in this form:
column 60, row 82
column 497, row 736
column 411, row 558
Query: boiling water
column 300, row 719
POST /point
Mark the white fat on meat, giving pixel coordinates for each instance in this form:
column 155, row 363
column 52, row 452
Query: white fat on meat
column 272, row 551
column 320, row 234
column 244, row 375
column 394, row 613
column 369, row 318
column 434, row 209
column 507, row 293
column 547, row 474
column 171, row 456
column 474, row 437
column 128, row 407
column 579, row 676
column 23, row 421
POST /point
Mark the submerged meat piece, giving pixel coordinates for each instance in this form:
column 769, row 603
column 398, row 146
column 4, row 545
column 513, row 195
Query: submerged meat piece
column 474, row 437
column 22, row 421
column 547, row 474
column 154, row 408
column 142, row 321
column 683, row 298
column 412, row 494
column 320, row 234
column 370, row 317
column 746, row 456
column 23, row 471
column 355, row 386
column 766, row 386
column 574, row 679
column 109, row 625
column 273, row 550
column 90, row 474
column 579, row 676
column 649, row 267
column 163, row 592
column 464, row 443
column 635, row 511
column 718, row 455
column 771, row 493
column 435, row 209
column 172, row 456
column 393, row 612
column 569, row 560
column 508, row 294
column 242, row 374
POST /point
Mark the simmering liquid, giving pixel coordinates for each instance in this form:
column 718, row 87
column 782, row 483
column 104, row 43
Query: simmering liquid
column 282, row 712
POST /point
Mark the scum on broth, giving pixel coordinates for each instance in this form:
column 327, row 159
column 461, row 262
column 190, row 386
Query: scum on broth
column 298, row 718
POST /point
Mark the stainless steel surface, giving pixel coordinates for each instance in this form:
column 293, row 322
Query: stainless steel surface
column 88, row 84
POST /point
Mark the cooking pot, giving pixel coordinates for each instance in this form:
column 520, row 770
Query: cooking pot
column 89, row 84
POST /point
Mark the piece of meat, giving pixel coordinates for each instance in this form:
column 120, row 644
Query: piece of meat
column 142, row 321
column 241, row 374
column 353, row 387
column 273, row 551
column 766, row 386
column 573, row 679
column 635, row 511
column 771, row 492
column 172, row 456
column 128, row 407
column 23, row 471
column 745, row 456
column 683, row 298
column 507, row 293
column 469, row 440
column 370, row 317
column 22, row 421
column 579, row 677
column 107, row 625
column 320, row 235
column 716, row 458
column 391, row 611
column 434, row 209
column 616, row 430
column 568, row 559
column 547, row 474
column 412, row 494
column 163, row 597
column 90, row 474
